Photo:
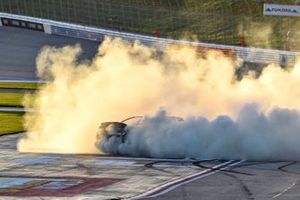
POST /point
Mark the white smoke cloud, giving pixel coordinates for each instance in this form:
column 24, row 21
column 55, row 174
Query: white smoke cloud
column 254, row 135
column 126, row 79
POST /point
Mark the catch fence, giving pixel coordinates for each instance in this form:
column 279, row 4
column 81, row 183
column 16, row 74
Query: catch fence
column 231, row 22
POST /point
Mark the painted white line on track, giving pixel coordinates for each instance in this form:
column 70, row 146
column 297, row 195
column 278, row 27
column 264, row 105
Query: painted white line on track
column 160, row 190
column 12, row 109
column 284, row 191
column 22, row 81
column 15, row 109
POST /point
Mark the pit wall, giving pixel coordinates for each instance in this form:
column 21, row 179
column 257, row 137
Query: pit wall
column 247, row 54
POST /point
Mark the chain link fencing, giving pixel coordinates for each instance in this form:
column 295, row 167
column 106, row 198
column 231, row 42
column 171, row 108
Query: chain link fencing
column 233, row 22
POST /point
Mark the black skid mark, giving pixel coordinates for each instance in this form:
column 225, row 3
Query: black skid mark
column 282, row 167
column 243, row 186
column 198, row 164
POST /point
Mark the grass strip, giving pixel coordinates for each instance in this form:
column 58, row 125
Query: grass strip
column 11, row 123
column 11, row 99
column 30, row 86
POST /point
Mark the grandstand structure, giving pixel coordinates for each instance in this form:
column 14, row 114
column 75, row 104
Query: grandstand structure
column 232, row 22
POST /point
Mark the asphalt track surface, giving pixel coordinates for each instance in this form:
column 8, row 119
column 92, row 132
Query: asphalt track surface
column 61, row 176
column 93, row 176
column 55, row 176
column 20, row 47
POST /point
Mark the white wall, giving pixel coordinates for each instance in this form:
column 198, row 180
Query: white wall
column 47, row 28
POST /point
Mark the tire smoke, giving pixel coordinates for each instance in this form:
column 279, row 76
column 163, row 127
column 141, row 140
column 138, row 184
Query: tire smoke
column 124, row 79
column 252, row 136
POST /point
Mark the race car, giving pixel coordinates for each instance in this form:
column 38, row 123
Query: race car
column 115, row 129
column 111, row 134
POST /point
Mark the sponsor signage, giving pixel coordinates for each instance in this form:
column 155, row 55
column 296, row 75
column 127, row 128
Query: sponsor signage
column 281, row 10
column 22, row 24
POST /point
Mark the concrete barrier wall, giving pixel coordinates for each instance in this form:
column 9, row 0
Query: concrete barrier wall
column 247, row 54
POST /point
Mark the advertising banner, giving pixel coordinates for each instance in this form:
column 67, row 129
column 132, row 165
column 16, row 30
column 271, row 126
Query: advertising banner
column 22, row 24
column 282, row 10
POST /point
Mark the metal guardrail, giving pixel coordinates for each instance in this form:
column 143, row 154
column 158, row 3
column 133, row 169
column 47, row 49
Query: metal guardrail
column 247, row 54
